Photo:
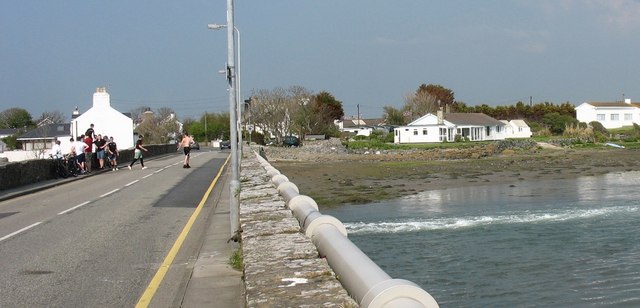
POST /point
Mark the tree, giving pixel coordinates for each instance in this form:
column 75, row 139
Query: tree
column 443, row 95
column 136, row 113
column 557, row 122
column 158, row 127
column 329, row 104
column 15, row 118
column 51, row 117
column 419, row 103
column 394, row 116
column 273, row 111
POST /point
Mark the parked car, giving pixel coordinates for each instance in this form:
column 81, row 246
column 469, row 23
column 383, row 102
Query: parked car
column 291, row 141
column 195, row 145
column 225, row 144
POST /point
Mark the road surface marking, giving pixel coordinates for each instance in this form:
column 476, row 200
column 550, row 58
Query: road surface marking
column 146, row 176
column 108, row 193
column 19, row 231
column 148, row 294
column 75, row 207
column 131, row 183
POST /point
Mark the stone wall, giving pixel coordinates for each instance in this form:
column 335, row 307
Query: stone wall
column 27, row 172
column 282, row 267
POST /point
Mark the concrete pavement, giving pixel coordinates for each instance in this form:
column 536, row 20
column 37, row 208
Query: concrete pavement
column 213, row 283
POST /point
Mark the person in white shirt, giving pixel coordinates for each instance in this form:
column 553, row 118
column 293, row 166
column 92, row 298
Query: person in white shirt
column 79, row 147
column 56, row 150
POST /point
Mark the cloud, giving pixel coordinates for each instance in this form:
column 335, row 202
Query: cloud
column 619, row 15
column 534, row 42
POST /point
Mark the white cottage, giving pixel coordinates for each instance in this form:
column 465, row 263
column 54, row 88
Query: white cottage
column 517, row 129
column 444, row 127
column 609, row 114
column 106, row 121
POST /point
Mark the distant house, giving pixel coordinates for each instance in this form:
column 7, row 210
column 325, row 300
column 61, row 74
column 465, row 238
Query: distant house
column 609, row 114
column 6, row 132
column 39, row 140
column 444, row 127
column 517, row 129
column 106, row 120
column 360, row 127
column 44, row 136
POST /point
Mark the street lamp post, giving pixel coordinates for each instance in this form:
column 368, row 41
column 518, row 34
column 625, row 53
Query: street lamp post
column 234, row 186
column 238, row 89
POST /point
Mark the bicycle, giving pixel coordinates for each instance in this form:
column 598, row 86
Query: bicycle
column 72, row 165
column 60, row 167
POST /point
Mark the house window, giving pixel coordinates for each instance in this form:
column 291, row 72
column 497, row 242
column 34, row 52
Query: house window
column 488, row 130
column 615, row 117
column 396, row 133
column 415, row 132
column 628, row 116
column 600, row 117
column 424, row 131
column 498, row 128
column 443, row 134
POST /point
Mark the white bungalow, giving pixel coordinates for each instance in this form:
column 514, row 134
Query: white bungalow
column 359, row 127
column 106, row 120
column 444, row 127
column 609, row 114
column 517, row 129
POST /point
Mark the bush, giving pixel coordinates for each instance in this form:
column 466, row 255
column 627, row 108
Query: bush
column 598, row 127
column 543, row 132
column 575, row 130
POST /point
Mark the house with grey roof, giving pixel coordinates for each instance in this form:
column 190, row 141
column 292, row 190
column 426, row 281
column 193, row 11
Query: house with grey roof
column 360, row 127
column 44, row 136
column 609, row 114
column 6, row 132
column 443, row 127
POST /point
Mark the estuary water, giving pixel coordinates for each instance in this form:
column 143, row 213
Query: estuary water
column 552, row 243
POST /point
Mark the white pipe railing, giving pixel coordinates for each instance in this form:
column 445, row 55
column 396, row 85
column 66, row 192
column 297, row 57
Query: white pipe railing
column 365, row 281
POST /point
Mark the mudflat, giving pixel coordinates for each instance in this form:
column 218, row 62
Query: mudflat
column 347, row 178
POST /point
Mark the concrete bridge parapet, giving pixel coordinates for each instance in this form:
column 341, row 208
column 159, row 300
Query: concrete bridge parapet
column 282, row 267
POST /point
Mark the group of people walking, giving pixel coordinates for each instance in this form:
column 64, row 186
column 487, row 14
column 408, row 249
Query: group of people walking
column 83, row 149
column 106, row 151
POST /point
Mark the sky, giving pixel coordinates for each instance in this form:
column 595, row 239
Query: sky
column 367, row 54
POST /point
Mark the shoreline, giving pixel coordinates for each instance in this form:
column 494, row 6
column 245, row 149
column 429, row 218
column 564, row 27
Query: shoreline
column 341, row 179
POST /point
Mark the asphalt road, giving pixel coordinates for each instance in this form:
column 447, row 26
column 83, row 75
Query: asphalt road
column 98, row 241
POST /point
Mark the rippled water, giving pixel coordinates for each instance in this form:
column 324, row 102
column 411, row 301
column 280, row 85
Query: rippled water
column 552, row 243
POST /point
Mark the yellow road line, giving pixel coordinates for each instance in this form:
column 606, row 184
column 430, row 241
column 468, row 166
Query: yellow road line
column 148, row 294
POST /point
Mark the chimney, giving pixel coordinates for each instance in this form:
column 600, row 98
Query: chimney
column 440, row 115
column 101, row 98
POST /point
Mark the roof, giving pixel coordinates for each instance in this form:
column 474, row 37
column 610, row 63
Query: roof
column 479, row 119
column 614, row 104
column 520, row 123
column 8, row 131
column 349, row 123
column 47, row 131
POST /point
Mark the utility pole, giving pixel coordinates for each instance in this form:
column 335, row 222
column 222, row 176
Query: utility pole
column 206, row 138
column 358, row 106
column 234, row 185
